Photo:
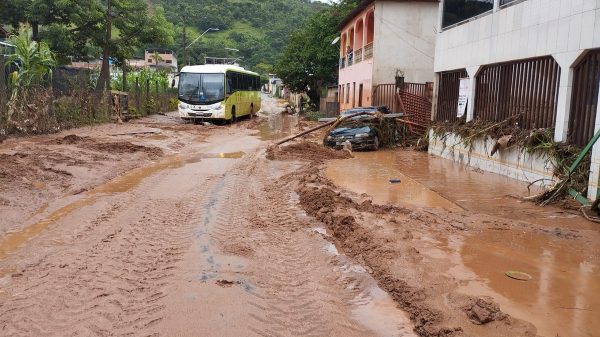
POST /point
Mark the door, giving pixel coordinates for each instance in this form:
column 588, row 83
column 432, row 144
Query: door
column 360, row 95
column 354, row 94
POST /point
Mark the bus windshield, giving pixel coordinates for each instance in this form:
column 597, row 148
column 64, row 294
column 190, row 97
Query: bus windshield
column 201, row 88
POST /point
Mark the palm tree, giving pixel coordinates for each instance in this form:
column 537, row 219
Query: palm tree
column 157, row 58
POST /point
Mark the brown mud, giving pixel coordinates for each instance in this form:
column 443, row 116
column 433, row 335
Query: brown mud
column 305, row 149
column 478, row 242
column 171, row 229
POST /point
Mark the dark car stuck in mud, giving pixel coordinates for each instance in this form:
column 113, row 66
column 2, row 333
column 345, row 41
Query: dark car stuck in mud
column 360, row 137
column 364, row 132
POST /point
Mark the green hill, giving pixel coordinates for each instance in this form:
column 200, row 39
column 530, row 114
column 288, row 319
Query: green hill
column 258, row 28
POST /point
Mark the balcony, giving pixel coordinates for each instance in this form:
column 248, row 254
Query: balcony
column 342, row 62
column 358, row 55
column 368, row 51
column 350, row 59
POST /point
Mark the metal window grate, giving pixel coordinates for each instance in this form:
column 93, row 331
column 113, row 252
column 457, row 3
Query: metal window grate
column 528, row 87
column 447, row 100
column 584, row 102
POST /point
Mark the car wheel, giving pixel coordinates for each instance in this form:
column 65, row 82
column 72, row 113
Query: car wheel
column 376, row 143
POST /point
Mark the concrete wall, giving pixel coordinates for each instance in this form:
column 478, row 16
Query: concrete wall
column 563, row 29
column 510, row 162
column 404, row 39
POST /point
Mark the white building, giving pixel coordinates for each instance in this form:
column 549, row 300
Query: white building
column 535, row 58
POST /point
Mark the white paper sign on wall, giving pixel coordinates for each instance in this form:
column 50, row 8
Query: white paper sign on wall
column 463, row 96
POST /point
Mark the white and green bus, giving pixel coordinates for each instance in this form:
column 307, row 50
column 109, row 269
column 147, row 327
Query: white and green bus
column 218, row 92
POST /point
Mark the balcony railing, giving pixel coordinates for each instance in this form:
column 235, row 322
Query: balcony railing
column 358, row 56
column 342, row 62
column 350, row 57
column 368, row 51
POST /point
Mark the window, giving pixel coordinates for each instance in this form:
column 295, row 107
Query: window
column 169, row 62
column 150, row 61
column 200, row 88
column 456, row 11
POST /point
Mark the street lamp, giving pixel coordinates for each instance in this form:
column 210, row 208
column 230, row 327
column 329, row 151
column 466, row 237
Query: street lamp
column 198, row 38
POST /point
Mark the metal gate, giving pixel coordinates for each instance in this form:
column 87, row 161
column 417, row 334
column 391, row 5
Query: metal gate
column 447, row 100
column 528, row 88
column 582, row 119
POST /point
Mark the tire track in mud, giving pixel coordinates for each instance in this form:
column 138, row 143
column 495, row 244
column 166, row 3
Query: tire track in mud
column 112, row 282
column 298, row 294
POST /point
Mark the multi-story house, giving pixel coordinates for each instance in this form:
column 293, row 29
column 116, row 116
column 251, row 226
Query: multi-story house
column 166, row 58
column 533, row 62
column 381, row 39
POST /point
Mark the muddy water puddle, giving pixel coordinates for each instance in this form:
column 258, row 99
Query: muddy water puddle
column 12, row 241
column 276, row 126
column 563, row 296
column 371, row 172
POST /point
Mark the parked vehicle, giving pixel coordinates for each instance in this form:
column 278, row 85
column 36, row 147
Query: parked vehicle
column 362, row 132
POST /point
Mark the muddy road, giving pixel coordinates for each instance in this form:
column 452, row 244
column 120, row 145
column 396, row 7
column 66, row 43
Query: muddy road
column 158, row 228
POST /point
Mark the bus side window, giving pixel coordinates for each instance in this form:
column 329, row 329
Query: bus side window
column 244, row 85
column 230, row 88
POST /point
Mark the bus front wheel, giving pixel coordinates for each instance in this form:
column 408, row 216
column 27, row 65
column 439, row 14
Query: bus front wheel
column 233, row 116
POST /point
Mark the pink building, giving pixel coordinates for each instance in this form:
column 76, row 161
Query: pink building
column 380, row 38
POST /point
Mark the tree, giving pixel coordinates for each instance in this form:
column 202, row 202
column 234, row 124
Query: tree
column 135, row 27
column 309, row 61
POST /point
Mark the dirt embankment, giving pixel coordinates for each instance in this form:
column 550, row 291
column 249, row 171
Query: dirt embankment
column 384, row 239
column 305, row 150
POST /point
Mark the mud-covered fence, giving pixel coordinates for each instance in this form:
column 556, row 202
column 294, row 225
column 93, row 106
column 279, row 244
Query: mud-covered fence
column 447, row 99
column 584, row 102
column 147, row 97
column 527, row 88
column 71, row 102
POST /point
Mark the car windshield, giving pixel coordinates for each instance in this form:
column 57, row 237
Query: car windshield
column 201, row 88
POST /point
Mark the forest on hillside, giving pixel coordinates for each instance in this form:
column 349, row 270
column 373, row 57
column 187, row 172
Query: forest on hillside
column 259, row 29
column 77, row 29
